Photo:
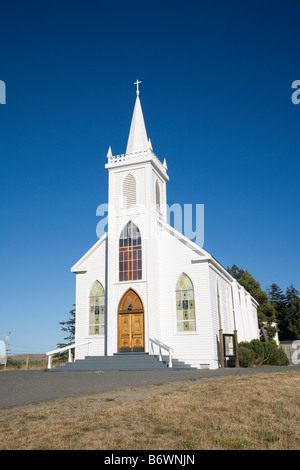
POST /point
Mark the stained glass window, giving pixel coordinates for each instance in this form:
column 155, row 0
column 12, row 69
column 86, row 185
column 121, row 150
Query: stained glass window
column 97, row 309
column 130, row 253
column 185, row 304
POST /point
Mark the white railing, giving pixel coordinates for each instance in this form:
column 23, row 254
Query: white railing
column 66, row 348
column 155, row 342
column 112, row 159
column 124, row 157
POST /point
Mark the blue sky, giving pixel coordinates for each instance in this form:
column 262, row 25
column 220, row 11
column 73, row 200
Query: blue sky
column 216, row 96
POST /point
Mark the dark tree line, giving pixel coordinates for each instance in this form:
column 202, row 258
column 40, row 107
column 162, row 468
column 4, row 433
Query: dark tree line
column 275, row 306
column 287, row 307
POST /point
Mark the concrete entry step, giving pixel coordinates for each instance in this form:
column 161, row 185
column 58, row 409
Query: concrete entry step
column 121, row 361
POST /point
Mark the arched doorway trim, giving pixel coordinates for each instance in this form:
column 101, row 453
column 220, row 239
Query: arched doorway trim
column 131, row 336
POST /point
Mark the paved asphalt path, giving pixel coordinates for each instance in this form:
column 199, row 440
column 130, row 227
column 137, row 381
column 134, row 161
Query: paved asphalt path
column 24, row 387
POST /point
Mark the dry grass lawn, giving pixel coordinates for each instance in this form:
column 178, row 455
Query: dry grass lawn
column 259, row 411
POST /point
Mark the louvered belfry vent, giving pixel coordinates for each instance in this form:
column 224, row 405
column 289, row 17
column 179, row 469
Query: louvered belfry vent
column 129, row 191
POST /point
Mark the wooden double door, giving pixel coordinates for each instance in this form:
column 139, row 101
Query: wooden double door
column 130, row 323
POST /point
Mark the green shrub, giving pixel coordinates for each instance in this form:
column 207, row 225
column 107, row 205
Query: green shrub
column 264, row 353
column 271, row 354
column 283, row 359
column 246, row 357
column 257, row 347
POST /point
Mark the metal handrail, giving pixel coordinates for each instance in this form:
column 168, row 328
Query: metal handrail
column 66, row 348
column 161, row 346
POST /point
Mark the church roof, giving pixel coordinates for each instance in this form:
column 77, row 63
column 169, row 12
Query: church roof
column 79, row 266
column 137, row 140
column 202, row 254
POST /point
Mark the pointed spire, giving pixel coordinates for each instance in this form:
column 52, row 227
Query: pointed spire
column 149, row 144
column 137, row 140
column 109, row 154
column 165, row 164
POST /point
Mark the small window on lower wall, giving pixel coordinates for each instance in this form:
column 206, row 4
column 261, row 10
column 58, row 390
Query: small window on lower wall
column 97, row 309
column 185, row 305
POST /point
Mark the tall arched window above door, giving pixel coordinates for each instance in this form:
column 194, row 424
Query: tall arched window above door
column 129, row 191
column 130, row 253
column 97, row 309
column 185, row 304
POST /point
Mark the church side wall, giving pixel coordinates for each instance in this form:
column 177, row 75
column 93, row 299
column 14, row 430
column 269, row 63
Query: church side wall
column 241, row 314
column 95, row 266
column 238, row 312
column 221, row 315
column 245, row 314
column 253, row 310
column 192, row 347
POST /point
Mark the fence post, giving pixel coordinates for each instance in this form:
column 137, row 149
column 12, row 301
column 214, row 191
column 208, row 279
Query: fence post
column 170, row 359
column 49, row 361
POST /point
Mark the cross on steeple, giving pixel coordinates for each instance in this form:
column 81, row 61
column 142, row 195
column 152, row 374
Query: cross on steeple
column 137, row 87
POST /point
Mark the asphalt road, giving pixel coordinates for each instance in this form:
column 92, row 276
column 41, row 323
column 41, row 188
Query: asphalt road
column 24, row 387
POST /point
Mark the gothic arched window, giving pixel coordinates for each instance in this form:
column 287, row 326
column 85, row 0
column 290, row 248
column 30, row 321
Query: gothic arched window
column 130, row 253
column 185, row 304
column 129, row 191
column 97, row 309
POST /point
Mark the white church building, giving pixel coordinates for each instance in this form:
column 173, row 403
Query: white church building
column 144, row 286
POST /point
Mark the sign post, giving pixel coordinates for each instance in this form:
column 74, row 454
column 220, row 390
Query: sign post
column 221, row 339
column 237, row 361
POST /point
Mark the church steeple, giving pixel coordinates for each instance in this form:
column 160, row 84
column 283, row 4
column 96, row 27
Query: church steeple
column 139, row 148
column 137, row 140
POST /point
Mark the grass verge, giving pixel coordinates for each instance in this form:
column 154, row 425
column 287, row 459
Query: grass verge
column 260, row 411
